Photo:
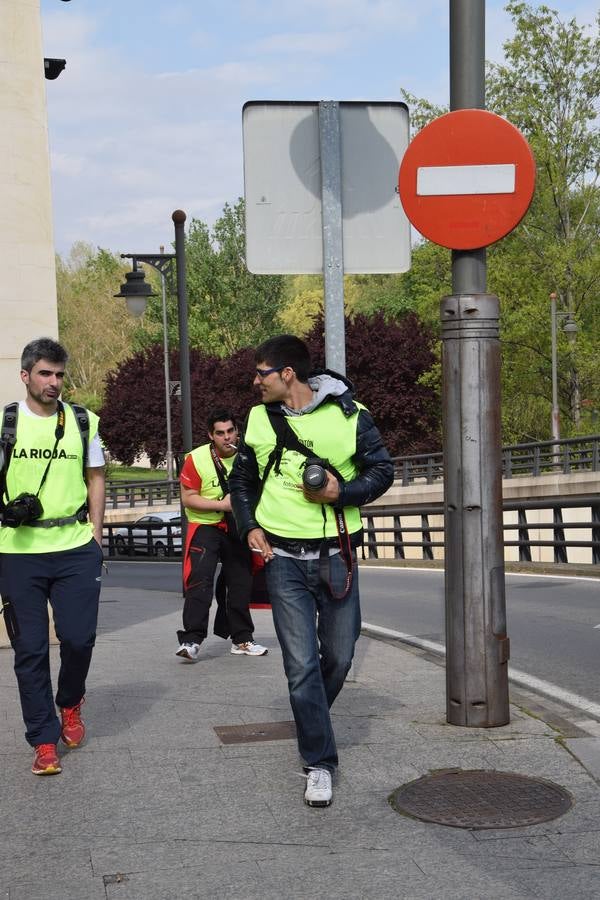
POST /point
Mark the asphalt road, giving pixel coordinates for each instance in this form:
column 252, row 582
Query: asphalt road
column 551, row 620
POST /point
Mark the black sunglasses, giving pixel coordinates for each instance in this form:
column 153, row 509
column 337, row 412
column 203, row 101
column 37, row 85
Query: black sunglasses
column 262, row 373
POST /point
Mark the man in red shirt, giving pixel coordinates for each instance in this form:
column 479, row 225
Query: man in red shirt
column 212, row 538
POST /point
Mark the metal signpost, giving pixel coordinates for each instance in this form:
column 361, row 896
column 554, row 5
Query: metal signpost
column 333, row 244
column 466, row 181
column 320, row 189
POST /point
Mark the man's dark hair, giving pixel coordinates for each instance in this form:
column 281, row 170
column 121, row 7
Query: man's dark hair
column 220, row 415
column 42, row 348
column 286, row 350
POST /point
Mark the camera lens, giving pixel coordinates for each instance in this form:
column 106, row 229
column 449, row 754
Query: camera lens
column 314, row 477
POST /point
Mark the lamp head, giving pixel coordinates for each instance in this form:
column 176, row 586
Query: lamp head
column 135, row 292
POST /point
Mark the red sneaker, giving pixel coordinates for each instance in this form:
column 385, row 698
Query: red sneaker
column 73, row 729
column 46, row 761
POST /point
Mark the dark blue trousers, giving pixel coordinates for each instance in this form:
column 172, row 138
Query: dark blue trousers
column 70, row 580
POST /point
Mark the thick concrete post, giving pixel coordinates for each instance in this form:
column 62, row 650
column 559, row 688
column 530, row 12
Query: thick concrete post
column 28, row 283
column 477, row 646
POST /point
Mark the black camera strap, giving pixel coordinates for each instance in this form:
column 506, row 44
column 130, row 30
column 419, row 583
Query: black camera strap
column 8, row 438
column 59, row 433
column 220, row 469
column 286, row 438
column 224, row 483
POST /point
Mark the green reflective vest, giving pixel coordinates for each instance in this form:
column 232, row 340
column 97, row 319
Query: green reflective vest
column 282, row 509
column 210, row 488
column 64, row 490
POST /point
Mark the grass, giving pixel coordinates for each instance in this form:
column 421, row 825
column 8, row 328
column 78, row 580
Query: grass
column 134, row 473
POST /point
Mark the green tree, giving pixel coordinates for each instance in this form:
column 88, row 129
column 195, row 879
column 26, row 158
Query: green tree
column 549, row 87
column 95, row 328
column 229, row 307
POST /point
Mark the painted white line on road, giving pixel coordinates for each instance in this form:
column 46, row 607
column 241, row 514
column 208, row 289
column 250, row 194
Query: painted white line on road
column 400, row 569
column 522, row 679
column 445, row 181
column 508, row 574
column 422, row 643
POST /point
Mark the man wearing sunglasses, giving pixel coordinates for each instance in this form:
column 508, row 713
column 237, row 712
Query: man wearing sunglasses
column 311, row 456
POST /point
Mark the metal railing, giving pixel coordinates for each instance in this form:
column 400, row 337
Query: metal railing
column 400, row 534
column 390, row 531
column 151, row 541
column 567, row 456
column 542, row 458
column 141, row 493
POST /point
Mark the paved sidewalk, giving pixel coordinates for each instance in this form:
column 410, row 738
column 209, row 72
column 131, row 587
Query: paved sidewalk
column 154, row 806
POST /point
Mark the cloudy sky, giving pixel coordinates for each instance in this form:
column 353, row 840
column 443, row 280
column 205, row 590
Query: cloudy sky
column 146, row 117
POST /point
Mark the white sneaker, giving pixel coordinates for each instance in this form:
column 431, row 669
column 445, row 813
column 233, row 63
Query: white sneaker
column 191, row 652
column 248, row 648
column 318, row 788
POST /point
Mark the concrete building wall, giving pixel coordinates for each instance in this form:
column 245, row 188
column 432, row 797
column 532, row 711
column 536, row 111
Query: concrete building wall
column 28, row 278
column 27, row 272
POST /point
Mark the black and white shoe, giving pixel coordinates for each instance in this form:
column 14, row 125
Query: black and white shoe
column 318, row 787
column 189, row 652
column 248, row 648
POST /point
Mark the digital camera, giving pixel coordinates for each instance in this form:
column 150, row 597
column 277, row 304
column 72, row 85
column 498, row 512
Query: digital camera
column 314, row 476
column 22, row 510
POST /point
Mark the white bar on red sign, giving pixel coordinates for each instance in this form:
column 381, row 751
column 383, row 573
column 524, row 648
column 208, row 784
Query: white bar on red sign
column 439, row 181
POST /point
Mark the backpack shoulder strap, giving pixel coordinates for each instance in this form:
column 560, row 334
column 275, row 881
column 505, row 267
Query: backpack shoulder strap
column 83, row 423
column 286, row 439
column 83, row 420
column 10, row 417
column 8, row 439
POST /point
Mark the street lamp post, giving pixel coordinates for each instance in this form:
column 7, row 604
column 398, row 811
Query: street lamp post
column 170, row 466
column 136, row 304
column 570, row 329
column 136, row 292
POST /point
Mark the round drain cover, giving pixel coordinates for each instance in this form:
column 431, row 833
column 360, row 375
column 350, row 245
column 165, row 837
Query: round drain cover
column 480, row 799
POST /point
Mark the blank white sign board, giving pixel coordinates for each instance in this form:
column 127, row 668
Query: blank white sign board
column 282, row 183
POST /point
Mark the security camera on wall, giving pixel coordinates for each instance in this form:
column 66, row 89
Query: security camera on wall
column 53, row 67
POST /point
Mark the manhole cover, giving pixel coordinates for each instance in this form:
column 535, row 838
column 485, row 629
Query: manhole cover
column 480, row 799
column 258, row 731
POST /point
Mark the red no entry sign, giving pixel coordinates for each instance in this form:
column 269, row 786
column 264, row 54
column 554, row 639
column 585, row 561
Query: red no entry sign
column 467, row 179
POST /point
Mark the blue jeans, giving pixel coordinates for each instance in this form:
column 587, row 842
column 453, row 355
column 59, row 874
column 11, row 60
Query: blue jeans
column 317, row 635
column 70, row 580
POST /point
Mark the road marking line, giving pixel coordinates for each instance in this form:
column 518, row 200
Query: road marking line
column 553, row 691
column 441, row 572
column 445, row 181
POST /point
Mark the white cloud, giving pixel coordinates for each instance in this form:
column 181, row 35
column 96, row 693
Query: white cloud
column 146, row 117
column 64, row 34
column 368, row 14
column 310, row 43
column 68, row 165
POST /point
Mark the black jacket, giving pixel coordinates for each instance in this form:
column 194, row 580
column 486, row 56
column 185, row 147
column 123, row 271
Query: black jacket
column 375, row 468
